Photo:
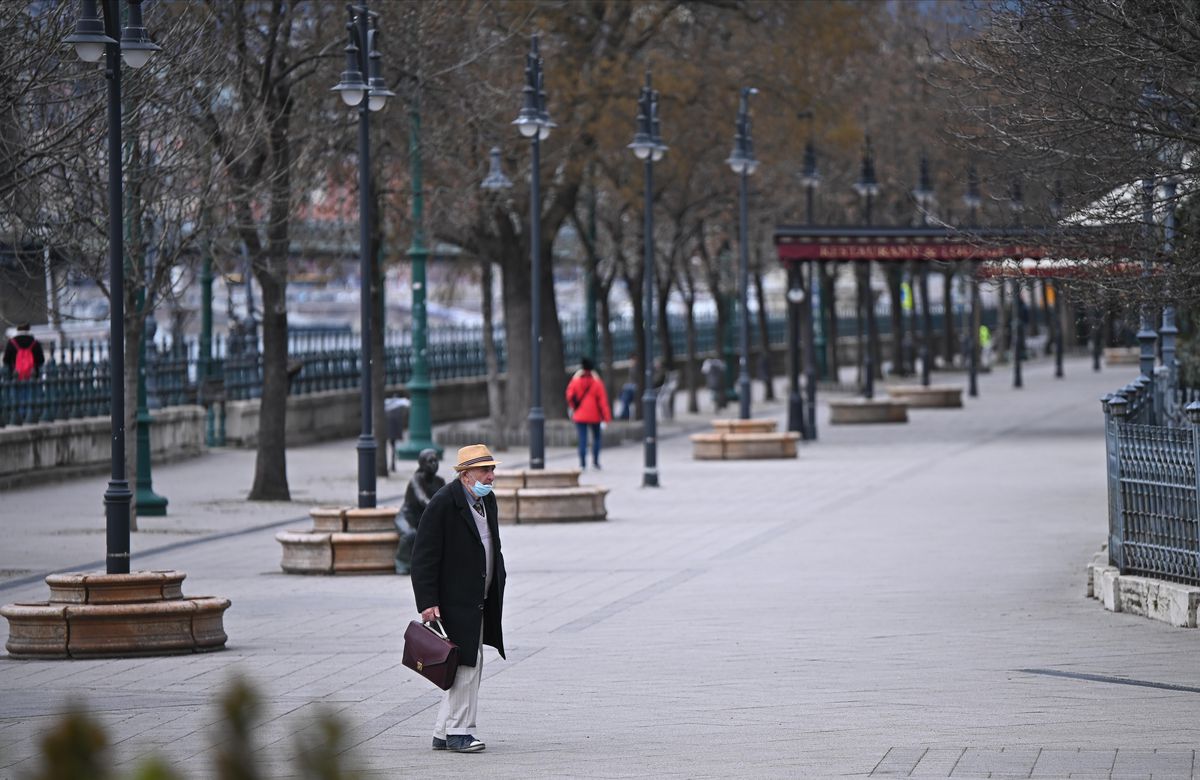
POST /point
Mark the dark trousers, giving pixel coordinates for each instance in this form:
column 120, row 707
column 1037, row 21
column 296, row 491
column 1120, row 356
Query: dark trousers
column 582, row 429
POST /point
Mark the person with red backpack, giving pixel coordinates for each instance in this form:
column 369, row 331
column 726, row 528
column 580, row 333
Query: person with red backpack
column 23, row 356
column 588, row 402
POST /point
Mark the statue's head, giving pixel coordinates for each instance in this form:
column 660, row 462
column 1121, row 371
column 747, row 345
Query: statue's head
column 427, row 462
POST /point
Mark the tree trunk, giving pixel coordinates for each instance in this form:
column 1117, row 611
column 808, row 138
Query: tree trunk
column 270, row 465
column 604, row 315
column 517, row 318
column 666, row 348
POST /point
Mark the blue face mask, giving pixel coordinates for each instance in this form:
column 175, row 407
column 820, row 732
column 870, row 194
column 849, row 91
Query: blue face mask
column 480, row 489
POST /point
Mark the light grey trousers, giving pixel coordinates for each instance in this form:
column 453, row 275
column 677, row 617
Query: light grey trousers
column 461, row 701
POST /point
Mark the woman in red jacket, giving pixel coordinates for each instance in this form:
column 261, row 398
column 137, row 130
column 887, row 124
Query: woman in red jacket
column 588, row 401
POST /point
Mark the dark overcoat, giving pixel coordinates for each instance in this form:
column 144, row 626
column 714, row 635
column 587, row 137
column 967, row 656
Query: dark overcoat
column 449, row 571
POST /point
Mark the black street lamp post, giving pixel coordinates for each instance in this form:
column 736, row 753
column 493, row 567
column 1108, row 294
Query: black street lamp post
column 973, row 200
column 923, row 193
column 867, row 188
column 1056, row 211
column 534, row 123
column 742, row 162
column 96, row 37
column 648, row 146
column 1017, row 332
column 810, row 177
column 362, row 57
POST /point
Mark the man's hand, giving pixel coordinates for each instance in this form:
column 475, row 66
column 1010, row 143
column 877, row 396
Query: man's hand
column 431, row 614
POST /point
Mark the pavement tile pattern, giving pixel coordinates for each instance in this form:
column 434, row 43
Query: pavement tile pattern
column 880, row 606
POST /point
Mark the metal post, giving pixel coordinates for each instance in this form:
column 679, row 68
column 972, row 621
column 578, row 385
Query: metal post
column 118, row 496
column 537, row 417
column 810, row 364
column 1168, row 332
column 812, row 346
column 147, row 501
column 872, row 329
column 1115, row 410
column 366, row 436
column 1057, row 313
column 743, row 292
column 420, row 418
column 867, row 316
column 1018, row 333
column 1146, row 335
column 973, row 336
column 649, row 396
column 796, row 416
column 926, row 348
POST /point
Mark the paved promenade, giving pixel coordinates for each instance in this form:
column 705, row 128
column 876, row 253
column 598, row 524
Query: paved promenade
column 901, row 600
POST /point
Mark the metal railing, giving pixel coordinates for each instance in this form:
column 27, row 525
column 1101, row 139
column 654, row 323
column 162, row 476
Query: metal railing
column 1152, row 446
column 75, row 381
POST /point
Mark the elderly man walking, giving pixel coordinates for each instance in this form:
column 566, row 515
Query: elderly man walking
column 458, row 578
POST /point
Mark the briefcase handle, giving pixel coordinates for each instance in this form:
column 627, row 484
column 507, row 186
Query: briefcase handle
column 439, row 630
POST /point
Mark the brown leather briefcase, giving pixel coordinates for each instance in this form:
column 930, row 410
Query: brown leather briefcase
column 430, row 653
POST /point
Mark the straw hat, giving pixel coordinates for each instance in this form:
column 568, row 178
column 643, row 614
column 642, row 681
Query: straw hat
column 474, row 456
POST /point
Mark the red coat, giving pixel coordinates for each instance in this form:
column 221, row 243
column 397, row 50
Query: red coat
column 587, row 397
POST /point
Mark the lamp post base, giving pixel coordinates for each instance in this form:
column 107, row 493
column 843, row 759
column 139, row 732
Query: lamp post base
column 149, row 503
column 412, row 448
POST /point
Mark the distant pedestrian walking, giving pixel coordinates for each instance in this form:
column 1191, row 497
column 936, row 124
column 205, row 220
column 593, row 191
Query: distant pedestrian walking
column 458, row 578
column 588, row 402
column 23, row 357
column 713, row 369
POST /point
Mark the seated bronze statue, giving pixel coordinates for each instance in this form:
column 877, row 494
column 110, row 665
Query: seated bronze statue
column 424, row 483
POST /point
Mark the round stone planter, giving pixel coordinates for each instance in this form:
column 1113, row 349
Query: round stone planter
column 115, row 615
column 744, row 446
column 343, row 540
column 861, row 411
column 547, row 496
column 744, row 426
column 931, row 397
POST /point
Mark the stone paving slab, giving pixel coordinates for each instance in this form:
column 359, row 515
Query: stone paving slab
column 868, row 607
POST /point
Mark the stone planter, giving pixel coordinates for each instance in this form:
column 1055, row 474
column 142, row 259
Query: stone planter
column 861, row 411
column 744, row 446
column 343, row 540
column 547, row 496
column 744, row 426
column 931, row 397
column 1121, row 356
column 115, row 615
column 744, row 440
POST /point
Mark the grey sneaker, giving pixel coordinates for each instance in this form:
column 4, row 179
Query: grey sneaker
column 463, row 743
column 439, row 744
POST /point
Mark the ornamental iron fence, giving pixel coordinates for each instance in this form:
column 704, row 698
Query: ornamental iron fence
column 1152, row 446
column 75, row 381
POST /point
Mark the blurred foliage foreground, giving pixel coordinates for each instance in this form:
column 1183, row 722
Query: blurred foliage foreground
column 77, row 747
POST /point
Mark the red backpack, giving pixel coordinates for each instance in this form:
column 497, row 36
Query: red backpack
column 24, row 365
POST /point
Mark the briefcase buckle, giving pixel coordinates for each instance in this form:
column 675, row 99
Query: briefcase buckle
column 420, row 666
